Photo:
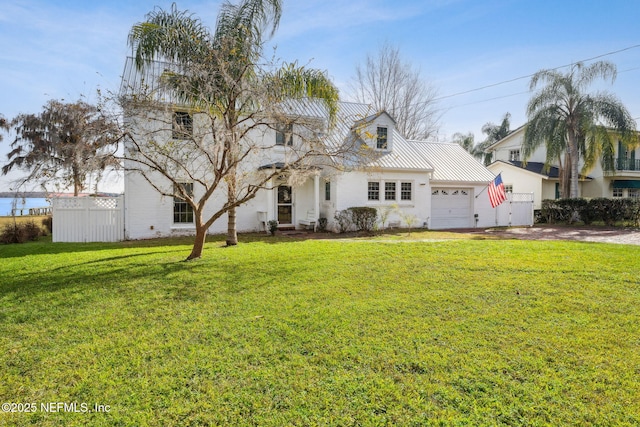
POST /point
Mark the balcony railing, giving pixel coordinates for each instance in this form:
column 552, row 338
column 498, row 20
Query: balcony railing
column 628, row 164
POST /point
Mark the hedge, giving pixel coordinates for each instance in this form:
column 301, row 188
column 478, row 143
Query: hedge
column 609, row 211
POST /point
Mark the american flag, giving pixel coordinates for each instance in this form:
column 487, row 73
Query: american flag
column 496, row 192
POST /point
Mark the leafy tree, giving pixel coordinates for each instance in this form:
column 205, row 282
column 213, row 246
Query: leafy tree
column 494, row 133
column 389, row 83
column 63, row 145
column 576, row 125
column 3, row 125
column 465, row 141
column 222, row 79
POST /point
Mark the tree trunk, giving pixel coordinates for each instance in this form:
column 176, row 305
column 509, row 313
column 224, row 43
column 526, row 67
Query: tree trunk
column 232, row 233
column 573, row 158
column 198, row 243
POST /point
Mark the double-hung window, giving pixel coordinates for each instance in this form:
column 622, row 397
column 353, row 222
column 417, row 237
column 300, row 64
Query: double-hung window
column 182, row 211
column 389, row 190
column 284, row 134
column 391, row 193
column 373, row 190
column 406, row 191
column 382, row 138
column 182, row 125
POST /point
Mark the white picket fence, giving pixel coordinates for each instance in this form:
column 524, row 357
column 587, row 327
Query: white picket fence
column 88, row 219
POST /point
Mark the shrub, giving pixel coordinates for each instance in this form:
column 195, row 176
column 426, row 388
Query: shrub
column 344, row 220
column 609, row 211
column 47, row 223
column 273, row 226
column 20, row 232
column 364, row 218
column 322, row 224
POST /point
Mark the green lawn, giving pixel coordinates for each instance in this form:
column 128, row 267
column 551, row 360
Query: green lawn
column 280, row 332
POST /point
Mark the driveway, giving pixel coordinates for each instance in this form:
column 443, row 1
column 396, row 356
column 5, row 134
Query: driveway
column 584, row 234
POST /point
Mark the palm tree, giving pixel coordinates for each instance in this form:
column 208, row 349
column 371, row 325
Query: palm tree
column 220, row 74
column 576, row 125
column 494, row 134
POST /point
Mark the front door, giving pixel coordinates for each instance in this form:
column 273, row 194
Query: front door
column 285, row 205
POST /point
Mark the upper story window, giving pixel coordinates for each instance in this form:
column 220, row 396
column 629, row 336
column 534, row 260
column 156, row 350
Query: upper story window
column 327, row 190
column 182, row 125
column 382, row 138
column 182, row 211
column 284, row 134
column 508, row 188
column 514, row 155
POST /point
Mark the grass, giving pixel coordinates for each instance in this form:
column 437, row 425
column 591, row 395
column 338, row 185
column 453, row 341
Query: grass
column 284, row 332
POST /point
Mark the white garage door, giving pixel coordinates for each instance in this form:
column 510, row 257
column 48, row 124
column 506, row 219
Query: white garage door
column 451, row 208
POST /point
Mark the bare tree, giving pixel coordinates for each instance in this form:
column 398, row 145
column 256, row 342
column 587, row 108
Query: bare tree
column 63, row 145
column 217, row 74
column 389, row 83
column 227, row 162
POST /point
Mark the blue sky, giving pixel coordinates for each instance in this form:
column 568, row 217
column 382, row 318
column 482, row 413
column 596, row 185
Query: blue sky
column 67, row 49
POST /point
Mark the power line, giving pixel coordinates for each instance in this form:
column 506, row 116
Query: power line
column 531, row 75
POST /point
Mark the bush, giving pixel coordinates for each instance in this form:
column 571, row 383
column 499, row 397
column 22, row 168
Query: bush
column 47, row 223
column 609, row 211
column 273, row 226
column 364, row 218
column 20, row 232
column 343, row 218
column 322, row 224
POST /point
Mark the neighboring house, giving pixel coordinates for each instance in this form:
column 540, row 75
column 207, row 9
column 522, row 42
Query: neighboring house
column 533, row 177
column 433, row 185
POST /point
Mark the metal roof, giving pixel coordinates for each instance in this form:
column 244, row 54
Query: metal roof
column 452, row 162
column 402, row 156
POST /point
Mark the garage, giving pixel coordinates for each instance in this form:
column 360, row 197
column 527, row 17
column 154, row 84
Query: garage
column 451, row 208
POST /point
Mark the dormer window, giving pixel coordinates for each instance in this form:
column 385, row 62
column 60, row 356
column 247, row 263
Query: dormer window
column 382, row 138
column 284, row 134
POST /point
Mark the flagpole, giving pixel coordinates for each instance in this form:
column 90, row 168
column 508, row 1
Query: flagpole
column 487, row 186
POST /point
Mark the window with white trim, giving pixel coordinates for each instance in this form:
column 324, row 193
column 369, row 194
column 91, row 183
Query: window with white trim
column 618, row 192
column 508, row 188
column 181, row 125
column 182, row 211
column 327, row 190
column 373, row 191
column 406, row 192
column 382, row 138
column 389, row 190
column 514, row 155
column 633, row 193
column 284, row 134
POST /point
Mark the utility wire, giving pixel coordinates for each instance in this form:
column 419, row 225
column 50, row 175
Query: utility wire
column 531, row 75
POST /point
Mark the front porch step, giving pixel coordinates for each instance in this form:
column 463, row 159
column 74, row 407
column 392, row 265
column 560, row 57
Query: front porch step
column 286, row 228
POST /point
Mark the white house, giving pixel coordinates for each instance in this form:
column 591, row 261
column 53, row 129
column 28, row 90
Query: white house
column 436, row 185
column 544, row 182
